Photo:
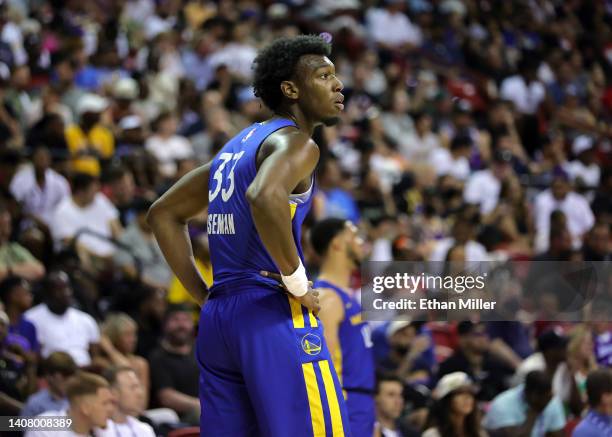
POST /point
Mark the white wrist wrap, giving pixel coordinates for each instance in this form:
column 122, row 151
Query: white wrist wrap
column 297, row 282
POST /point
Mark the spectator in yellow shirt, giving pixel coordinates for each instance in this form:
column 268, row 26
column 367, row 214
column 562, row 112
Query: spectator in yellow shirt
column 90, row 141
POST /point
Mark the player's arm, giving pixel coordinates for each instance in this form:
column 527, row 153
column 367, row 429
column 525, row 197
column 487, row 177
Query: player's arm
column 168, row 219
column 294, row 158
column 331, row 315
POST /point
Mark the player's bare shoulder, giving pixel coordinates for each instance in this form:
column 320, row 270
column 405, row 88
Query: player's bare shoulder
column 290, row 141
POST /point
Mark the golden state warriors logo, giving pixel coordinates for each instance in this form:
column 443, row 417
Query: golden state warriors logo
column 311, row 344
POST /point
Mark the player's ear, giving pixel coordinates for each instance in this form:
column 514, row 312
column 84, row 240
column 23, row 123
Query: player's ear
column 290, row 89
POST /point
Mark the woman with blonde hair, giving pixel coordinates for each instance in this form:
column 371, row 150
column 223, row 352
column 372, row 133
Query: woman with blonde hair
column 118, row 342
column 581, row 356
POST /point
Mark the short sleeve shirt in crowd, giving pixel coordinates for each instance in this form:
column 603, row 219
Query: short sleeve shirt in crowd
column 14, row 253
column 510, row 409
column 37, row 200
column 69, row 219
column 42, row 401
column 176, row 371
column 72, row 332
column 594, row 425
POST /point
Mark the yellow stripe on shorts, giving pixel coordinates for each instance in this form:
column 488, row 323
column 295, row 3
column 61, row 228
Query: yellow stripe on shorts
column 313, row 320
column 296, row 312
column 314, row 400
column 332, row 399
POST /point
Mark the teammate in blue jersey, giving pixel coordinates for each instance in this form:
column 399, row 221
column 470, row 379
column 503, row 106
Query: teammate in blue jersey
column 348, row 337
column 265, row 368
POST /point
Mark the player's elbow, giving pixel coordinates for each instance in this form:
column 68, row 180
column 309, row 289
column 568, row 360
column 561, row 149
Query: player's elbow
column 154, row 213
column 260, row 199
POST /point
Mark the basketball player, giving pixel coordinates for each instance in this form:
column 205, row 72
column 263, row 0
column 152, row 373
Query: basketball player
column 265, row 368
column 347, row 335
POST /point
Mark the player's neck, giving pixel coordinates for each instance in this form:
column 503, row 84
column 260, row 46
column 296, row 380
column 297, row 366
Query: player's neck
column 298, row 117
column 337, row 272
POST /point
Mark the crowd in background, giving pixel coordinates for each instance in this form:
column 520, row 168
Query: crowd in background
column 474, row 130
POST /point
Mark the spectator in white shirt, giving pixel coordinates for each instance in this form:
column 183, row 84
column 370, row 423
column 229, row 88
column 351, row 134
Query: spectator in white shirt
column 462, row 235
column 39, row 188
column 574, row 206
column 584, row 170
column 91, row 405
column 89, row 210
column 166, row 146
column 419, row 146
column 524, row 89
column 60, row 327
column 130, row 403
column 484, row 186
column 391, row 28
column 453, row 162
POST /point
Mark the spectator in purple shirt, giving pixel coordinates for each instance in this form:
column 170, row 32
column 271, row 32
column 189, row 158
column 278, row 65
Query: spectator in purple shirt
column 598, row 421
column 17, row 298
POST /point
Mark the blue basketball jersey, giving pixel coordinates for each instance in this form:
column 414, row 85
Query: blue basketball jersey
column 355, row 360
column 236, row 251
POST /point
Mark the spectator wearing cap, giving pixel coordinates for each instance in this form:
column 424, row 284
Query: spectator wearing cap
column 166, row 146
column 584, row 171
column 14, row 258
column 16, row 295
column 552, row 359
column 125, row 91
column 90, row 216
column 575, row 207
column 90, row 140
column 477, row 358
column 484, row 186
column 57, row 368
column 389, row 400
column 60, row 326
column 39, row 188
column 410, row 351
column 174, row 369
column 529, row 409
column 454, row 411
column 140, row 257
column 598, row 421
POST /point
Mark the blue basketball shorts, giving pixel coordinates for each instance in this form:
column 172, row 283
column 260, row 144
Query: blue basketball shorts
column 265, row 369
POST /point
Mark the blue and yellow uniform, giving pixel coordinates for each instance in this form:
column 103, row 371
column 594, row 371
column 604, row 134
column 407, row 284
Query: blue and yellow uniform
column 354, row 362
column 265, row 368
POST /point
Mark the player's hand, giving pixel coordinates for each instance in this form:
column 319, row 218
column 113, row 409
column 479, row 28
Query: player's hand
column 279, row 278
column 311, row 300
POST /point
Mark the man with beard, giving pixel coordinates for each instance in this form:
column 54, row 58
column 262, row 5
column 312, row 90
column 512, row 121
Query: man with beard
column 174, row 369
column 60, row 327
column 347, row 336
